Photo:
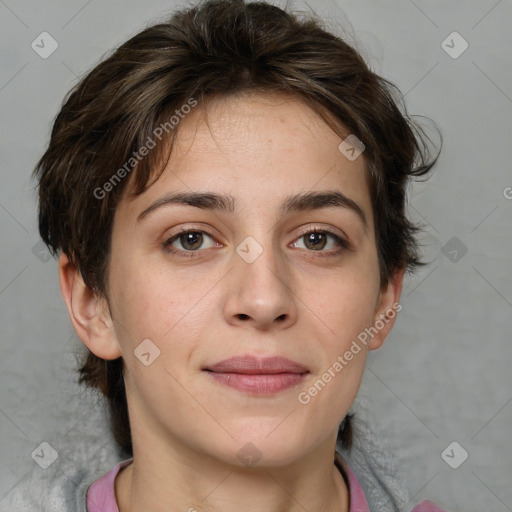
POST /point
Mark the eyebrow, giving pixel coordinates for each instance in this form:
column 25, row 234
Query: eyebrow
column 220, row 202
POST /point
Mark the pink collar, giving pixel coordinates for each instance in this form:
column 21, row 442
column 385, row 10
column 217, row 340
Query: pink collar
column 358, row 501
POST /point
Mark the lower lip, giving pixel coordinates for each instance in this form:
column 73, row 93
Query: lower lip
column 262, row 384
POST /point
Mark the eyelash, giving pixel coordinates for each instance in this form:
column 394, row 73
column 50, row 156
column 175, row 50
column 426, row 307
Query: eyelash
column 344, row 244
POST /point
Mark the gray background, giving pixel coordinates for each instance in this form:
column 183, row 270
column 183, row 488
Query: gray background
column 444, row 372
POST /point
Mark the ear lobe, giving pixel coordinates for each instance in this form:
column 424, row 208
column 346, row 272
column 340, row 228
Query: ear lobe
column 387, row 309
column 88, row 313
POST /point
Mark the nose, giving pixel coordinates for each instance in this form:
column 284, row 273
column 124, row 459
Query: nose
column 260, row 294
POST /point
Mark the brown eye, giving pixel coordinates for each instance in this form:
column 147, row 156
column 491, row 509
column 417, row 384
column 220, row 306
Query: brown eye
column 191, row 241
column 188, row 241
column 317, row 240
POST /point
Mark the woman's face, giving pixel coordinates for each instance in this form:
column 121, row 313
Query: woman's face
column 247, row 280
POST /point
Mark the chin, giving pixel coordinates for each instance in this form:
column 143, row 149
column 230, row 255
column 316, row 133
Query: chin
column 265, row 443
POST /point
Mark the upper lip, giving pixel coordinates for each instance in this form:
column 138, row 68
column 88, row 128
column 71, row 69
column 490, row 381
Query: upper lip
column 253, row 365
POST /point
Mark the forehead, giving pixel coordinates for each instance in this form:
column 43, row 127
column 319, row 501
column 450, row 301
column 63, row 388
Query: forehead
column 259, row 147
column 255, row 122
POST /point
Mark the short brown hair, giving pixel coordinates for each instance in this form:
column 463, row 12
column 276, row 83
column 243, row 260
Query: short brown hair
column 218, row 48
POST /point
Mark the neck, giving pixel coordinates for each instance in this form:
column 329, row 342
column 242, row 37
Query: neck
column 199, row 483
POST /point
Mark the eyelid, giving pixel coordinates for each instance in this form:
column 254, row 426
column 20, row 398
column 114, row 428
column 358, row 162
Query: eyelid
column 327, row 229
column 200, row 228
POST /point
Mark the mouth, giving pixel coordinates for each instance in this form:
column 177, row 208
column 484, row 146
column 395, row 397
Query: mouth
column 256, row 375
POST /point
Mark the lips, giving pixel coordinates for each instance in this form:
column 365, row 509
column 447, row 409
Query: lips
column 251, row 365
column 256, row 375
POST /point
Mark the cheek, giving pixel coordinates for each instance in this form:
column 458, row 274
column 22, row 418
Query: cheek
column 153, row 306
column 157, row 303
column 345, row 301
column 345, row 309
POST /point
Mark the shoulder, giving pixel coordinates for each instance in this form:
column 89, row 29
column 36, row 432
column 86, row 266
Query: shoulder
column 101, row 494
column 60, row 488
column 359, row 499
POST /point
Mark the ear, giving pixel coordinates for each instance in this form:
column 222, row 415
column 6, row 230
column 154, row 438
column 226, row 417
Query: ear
column 387, row 309
column 89, row 313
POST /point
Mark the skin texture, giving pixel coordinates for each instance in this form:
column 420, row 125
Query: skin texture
column 304, row 302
